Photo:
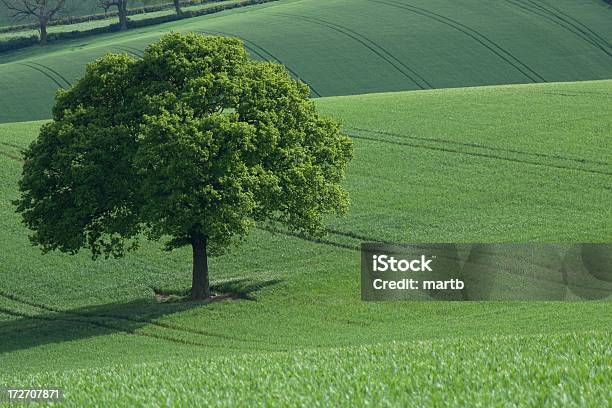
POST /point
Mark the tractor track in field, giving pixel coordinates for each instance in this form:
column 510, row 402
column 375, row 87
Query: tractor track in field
column 252, row 47
column 484, row 147
column 557, row 19
column 489, row 44
column 45, row 73
column 85, row 318
column 546, row 14
column 368, row 43
column 135, row 50
column 587, row 33
column 482, row 155
column 114, row 328
column 51, row 70
column 10, row 156
column 21, row 148
column 604, row 95
column 350, row 234
column 309, row 239
column 128, row 51
column 323, row 241
column 578, row 22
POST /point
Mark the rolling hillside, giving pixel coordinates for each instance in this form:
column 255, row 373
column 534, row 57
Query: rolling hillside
column 367, row 46
column 458, row 165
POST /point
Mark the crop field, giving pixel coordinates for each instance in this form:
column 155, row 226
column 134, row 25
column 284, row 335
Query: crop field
column 470, row 124
column 367, row 46
column 515, row 163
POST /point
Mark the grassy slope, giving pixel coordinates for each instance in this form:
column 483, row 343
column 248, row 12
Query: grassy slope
column 544, row 176
column 524, row 371
column 370, row 46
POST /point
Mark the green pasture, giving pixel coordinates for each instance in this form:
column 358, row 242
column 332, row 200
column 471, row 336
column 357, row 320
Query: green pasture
column 527, row 163
column 561, row 370
column 367, row 46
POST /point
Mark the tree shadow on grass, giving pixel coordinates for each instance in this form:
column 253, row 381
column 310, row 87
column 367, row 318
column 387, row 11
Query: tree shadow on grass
column 233, row 289
column 35, row 324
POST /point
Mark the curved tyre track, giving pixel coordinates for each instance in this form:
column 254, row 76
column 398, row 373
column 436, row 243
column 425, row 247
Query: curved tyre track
column 481, row 155
column 10, row 156
column 54, row 72
column 489, row 44
column 252, row 47
column 45, row 73
column 127, row 50
column 480, row 146
column 545, row 14
column 580, row 23
column 85, row 318
column 582, row 28
column 372, row 46
column 303, row 237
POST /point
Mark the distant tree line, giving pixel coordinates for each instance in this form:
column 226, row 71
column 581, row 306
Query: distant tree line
column 47, row 18
column 45, row 12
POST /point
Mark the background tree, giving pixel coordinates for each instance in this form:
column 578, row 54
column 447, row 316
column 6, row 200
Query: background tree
column 41, row 10
column 177, row 7
column 193, row 142
column 122, row 9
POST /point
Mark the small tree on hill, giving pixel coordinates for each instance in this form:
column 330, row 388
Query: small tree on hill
column 122, row 10
column 194, row 143
column 41, row 10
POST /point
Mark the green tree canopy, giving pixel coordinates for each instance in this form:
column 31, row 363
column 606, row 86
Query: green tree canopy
column 193, row 143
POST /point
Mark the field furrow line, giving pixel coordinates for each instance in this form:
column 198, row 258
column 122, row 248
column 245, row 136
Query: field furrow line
column 480, row 146
column 482, row 155
column 126, row 50
column 359, row 40
column 586, row 33
column 489, row 44
column 309, row 239
column 88, row 316
column 174, row 340
column 594, row 34
column 10, row 156
column 578, row 93
column 359, row 237
column 353, row 34
column 42, row 72
column 568, row 27
column 51, row 70
column 252, row 45
column 134, row 49
column 21, row 148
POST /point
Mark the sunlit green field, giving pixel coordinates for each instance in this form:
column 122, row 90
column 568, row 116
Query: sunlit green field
column 532, row 371
column 367, row 46
column 528, row 163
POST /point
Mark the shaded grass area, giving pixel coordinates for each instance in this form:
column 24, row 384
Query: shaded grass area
column 571, row 370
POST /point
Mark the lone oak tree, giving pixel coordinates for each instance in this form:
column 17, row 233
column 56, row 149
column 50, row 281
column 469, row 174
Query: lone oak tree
column 194, row 142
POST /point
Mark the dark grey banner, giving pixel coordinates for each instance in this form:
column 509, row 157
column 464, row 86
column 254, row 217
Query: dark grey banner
column 486, row 271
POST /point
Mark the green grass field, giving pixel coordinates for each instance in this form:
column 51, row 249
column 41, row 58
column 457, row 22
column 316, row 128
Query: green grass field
column 519, row 163
column 368, row 46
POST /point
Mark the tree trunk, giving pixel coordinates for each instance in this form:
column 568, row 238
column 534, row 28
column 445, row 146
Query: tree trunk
column 43, row 31
column 123, row 20
column 177, row 6
column 200, row 287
